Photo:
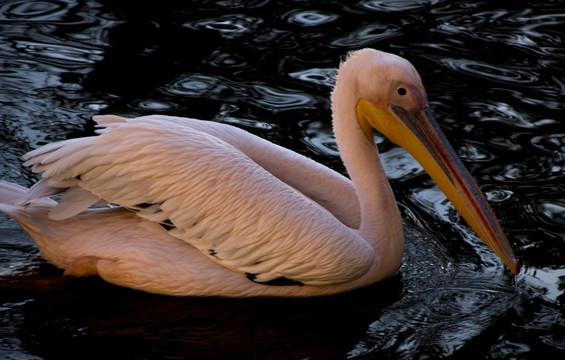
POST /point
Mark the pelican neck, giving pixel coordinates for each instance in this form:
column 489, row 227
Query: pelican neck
column 381, row 224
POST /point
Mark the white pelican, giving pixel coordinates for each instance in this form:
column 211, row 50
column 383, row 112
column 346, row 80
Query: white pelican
column 206, row 209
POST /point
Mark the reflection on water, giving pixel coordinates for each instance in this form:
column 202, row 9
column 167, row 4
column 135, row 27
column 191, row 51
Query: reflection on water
column 495, row 79
column 229, row 26
column 316, row 76
column 366, row 35
column 311, row 17
column 492, row 72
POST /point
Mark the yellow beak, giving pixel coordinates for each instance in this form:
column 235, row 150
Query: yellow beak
column 417, row 132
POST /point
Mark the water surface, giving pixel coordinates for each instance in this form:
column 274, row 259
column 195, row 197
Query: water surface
column 495, row 76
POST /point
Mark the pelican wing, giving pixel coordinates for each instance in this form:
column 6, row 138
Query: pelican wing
column 328, row 188
column 206, row 192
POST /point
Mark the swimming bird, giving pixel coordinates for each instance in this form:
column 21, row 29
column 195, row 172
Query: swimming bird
column 206, row 209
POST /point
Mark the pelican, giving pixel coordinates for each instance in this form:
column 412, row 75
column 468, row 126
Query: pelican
column 207, row 209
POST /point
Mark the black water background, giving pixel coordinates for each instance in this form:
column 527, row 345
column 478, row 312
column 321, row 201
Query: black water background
column 494, row 72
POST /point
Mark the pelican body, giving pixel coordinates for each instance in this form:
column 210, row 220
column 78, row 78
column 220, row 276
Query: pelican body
column 207, row 209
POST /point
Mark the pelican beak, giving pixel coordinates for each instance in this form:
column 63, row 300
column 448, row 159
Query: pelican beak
column 417, row 132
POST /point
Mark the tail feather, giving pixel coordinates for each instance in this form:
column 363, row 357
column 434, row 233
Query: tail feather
column 11, row 193
column 40, row 190
column 75, row 200
column 32, row 217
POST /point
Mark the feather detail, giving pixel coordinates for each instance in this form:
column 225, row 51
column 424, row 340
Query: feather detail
column 41, row 189
column 73, row 201
column 143, row 161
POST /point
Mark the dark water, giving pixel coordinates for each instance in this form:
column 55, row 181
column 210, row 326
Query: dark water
column 495, row 75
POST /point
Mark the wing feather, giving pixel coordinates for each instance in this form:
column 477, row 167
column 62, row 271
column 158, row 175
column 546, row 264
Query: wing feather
column 214, row 197
column 73, row 201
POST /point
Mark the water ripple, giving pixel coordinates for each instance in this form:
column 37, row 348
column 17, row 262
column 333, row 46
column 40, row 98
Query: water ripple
column 225, row 60
column 280, row 98
column 499, row 112
column 541, row 97
column 319, row 138
column 309, row 18
column 489, row 71
column 70, row 56
column 198, row 85
column 452, row 310
column 518, row 171
column 396, row 5
column 546, row 27
column 474, row 153
column 229, row 114
column 366, row 35
column 399, row 164
column 34, row 10
column 498, row 195
column 554, row 143
column 229, row 26
column 551, row 211
column 505, row 65
column 522, row 29
column 548, row 284
column 153, row 106
column 325, row 77
column 255, row 93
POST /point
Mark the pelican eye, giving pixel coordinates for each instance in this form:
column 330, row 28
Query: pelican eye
column 401, row 91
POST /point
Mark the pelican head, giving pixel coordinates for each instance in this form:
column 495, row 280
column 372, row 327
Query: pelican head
column 393, row 101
